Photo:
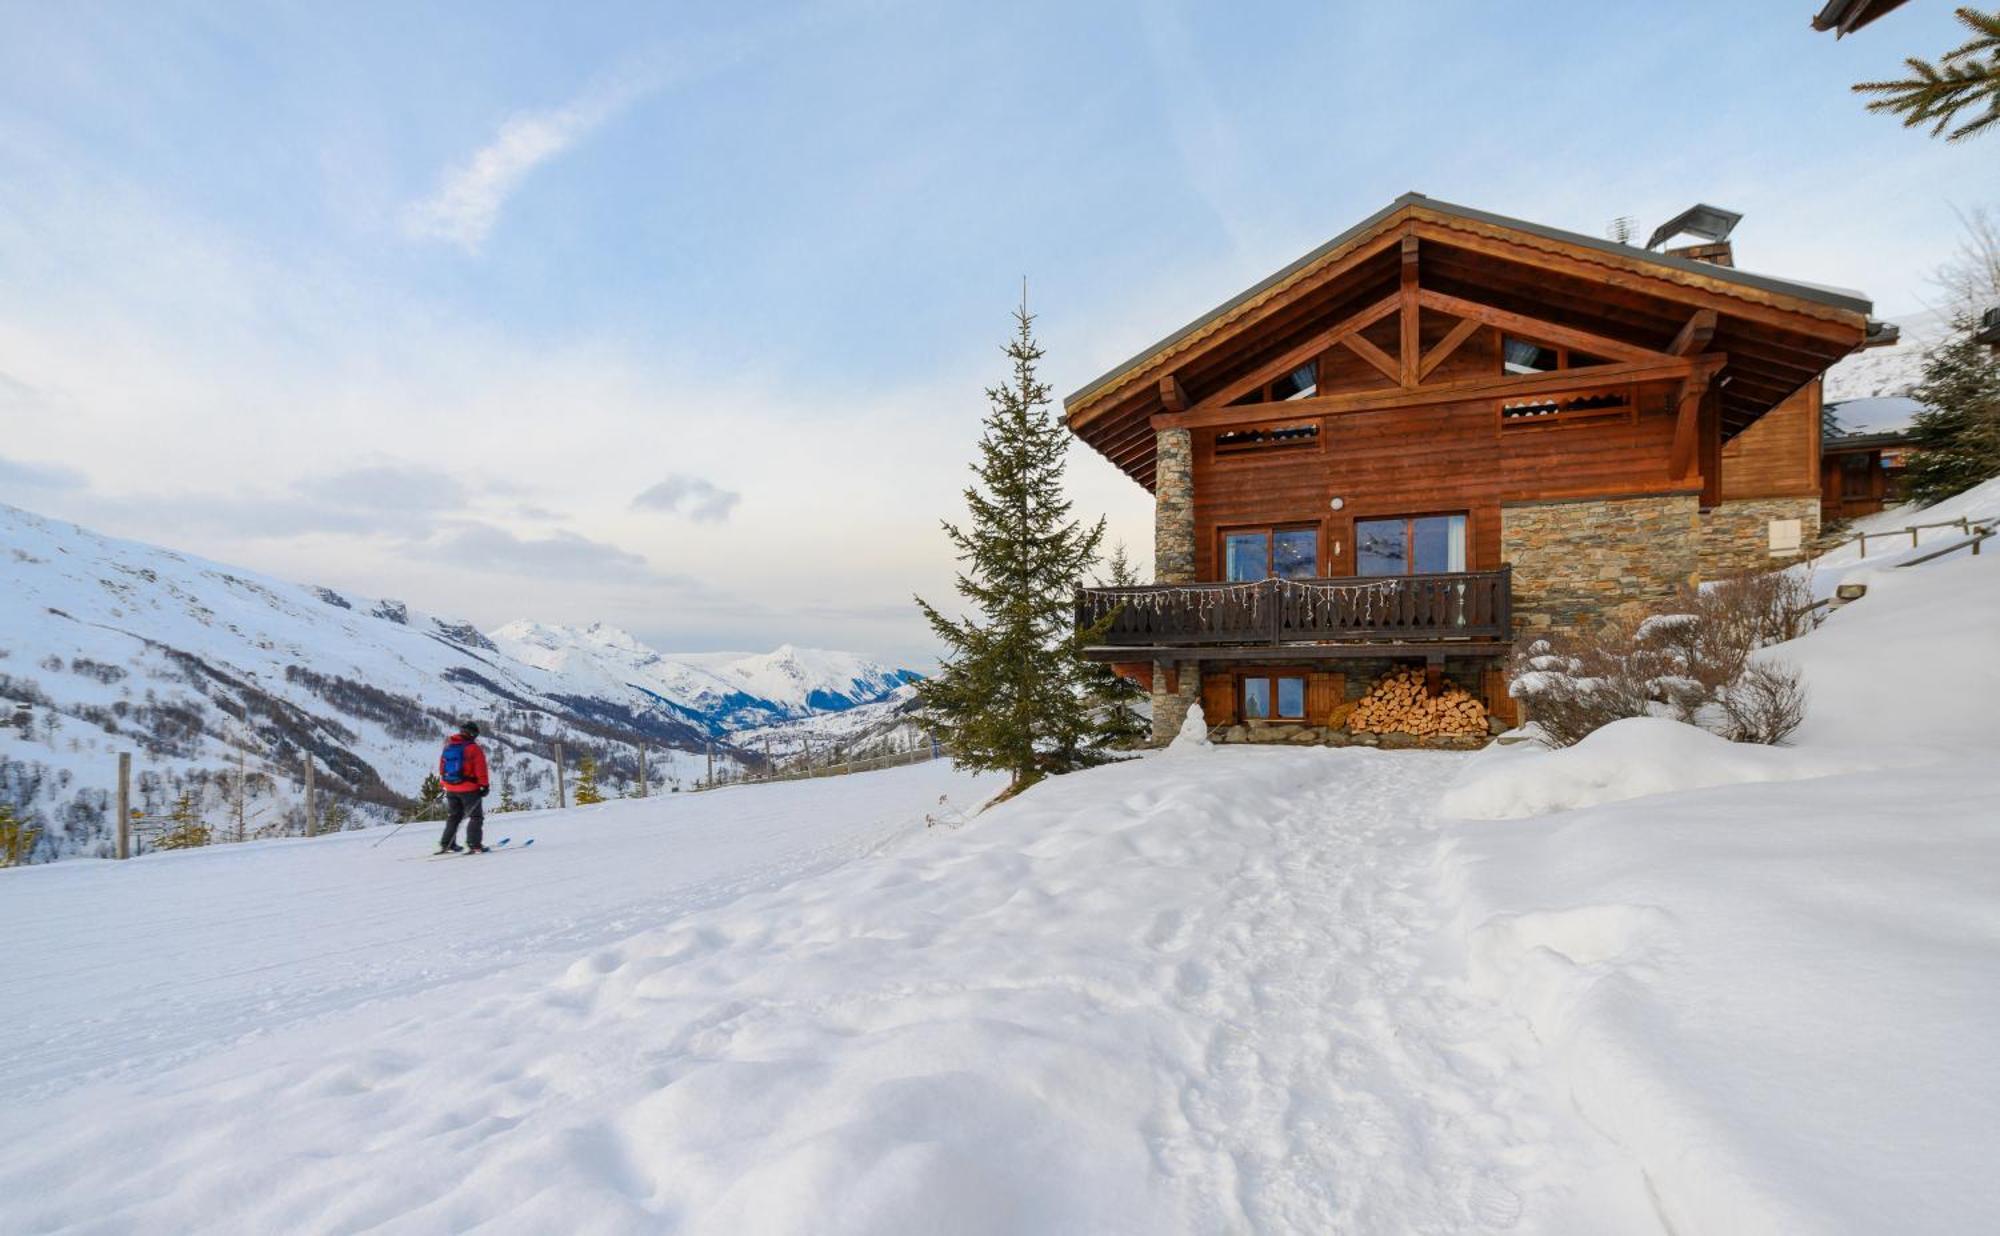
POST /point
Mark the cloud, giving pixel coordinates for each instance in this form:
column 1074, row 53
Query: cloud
column 702, row 501
column 385, row 487
column 467, row 202
column 21, row 474
column 561, row 555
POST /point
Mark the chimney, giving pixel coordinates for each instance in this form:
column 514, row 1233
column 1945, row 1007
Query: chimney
column 1716, row 251
column 1709, row 225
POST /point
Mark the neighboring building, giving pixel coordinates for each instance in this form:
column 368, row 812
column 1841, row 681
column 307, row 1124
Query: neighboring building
column 1862, row 456
column 1439, row 429
column 1989, row 328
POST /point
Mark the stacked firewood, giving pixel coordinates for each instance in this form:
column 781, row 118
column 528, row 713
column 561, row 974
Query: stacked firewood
column 1399, row 703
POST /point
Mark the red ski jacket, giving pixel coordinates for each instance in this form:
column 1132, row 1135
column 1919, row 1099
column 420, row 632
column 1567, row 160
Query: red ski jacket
column 473, row 765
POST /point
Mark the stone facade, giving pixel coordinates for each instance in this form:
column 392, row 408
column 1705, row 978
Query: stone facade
column 1172, row 700
column 1173, row 507
column 1736, row 535
column 1580, row 563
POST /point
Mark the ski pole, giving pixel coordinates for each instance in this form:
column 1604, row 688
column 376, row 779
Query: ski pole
column 392, row 832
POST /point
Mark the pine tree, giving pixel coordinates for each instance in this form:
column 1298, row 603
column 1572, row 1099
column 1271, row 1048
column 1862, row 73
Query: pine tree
column 1111, row 695
column 1962, row 78
column 1009, row 695
column 507, row 800
column 1957, row 434
column 430, row 800
column 17, row 839
column 185, row 829
column 586, row 782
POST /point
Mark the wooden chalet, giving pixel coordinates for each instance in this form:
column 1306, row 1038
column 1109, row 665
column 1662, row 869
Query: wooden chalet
column 1438, row 430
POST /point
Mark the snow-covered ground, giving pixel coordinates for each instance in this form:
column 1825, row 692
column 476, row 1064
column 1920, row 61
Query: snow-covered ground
column 1979, row 505
column 1250, row 989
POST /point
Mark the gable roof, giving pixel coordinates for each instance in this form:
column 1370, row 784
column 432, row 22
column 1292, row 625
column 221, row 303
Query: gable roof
column 1780, row 334
column 1839, row 298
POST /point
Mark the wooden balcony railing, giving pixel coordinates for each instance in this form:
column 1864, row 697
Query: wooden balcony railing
column 1461, row 605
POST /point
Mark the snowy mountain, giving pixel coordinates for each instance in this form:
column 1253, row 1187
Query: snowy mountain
column 720, row 691
column 1890, row 371
column 220, row 681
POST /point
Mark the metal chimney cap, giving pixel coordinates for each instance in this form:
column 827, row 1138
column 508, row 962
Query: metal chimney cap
column 1708, row 222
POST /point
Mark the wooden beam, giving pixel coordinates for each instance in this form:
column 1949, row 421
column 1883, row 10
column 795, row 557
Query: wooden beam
column 1466, row 328
column 1684, row 458
column 1174, row 396
column 1695, row 335
column 1304, row 352
column 1097, row 401
column 1407, row 355
column 1734, row 299
column 1563, row 380
column 1537, row 329
column 1376, row 357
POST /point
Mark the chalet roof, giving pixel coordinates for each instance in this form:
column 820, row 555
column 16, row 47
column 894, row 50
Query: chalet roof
column 1779, row 334
column 1847, row 16
column 1840, row 298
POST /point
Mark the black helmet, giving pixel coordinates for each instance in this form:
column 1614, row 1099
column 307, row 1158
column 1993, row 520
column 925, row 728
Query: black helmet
column 470, row 729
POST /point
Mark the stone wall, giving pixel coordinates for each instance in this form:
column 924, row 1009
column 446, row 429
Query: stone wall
column 1171, row 699
column 1736, row 535
column 1173, row 507
column 1580, row 563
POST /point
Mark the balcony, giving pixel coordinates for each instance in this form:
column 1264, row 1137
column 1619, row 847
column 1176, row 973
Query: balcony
column 1465, row 613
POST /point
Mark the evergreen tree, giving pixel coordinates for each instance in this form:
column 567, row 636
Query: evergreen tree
column 430, row 800
column 1957, row 434
column 1009, row 695
column 185, row 829
column 17, row 839
column 1965, row 77
column 507, row 800
column 586, row 782
column 1111, row 695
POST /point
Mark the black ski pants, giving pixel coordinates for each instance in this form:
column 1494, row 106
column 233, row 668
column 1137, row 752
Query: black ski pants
column 467, row 806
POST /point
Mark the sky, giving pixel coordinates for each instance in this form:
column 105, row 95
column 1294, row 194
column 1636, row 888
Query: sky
column 680, row 316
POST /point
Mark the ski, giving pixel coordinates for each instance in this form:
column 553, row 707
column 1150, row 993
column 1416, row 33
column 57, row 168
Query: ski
column 495, row 848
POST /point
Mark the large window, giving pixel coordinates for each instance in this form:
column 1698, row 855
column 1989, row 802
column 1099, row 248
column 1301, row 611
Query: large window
column 1274, row 698
column 1259, row 553
column 1409, row 545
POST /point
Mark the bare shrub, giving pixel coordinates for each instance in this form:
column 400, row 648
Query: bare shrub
column 1572, row 685
column 1764, row 705
column 1690, row 660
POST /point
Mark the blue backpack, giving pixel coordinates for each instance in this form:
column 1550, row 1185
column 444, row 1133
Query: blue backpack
column 451, row 765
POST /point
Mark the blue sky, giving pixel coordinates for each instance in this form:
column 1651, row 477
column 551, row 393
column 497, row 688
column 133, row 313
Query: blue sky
column 679, row 316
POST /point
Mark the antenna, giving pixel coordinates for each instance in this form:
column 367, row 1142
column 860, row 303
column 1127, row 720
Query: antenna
column 1622, row 229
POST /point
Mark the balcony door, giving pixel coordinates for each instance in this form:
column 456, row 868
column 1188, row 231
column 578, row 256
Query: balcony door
column 1409, row 545
column 1251, row 554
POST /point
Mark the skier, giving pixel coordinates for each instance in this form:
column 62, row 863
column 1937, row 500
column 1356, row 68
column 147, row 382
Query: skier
column 462, row 769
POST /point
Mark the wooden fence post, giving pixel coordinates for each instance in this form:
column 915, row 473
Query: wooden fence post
column 562, row 787
column 1913, row 538
column 312, row 801
column 642, row 770
column 711, row 763
column 124, row 804
column 1863, row 538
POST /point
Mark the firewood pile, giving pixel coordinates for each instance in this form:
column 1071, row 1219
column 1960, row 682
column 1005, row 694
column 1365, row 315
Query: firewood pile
column 1398, row 703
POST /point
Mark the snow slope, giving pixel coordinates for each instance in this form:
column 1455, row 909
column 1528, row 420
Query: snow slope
column 1890, row 371
column 1177, row 995
column 1776, row 986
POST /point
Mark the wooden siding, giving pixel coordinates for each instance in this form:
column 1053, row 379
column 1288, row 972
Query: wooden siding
column 1778, row 457
column 1435, row 459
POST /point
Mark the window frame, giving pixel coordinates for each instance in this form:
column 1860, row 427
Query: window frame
column 1409, row 521
column 1274, row 692
column 1270, row 533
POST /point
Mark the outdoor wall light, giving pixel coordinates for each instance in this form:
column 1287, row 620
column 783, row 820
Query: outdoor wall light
column 1337, row 503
